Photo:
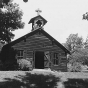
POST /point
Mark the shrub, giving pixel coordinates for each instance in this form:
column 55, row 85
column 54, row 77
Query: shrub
column 75, row 67
column 25, row 64
column 7, row 57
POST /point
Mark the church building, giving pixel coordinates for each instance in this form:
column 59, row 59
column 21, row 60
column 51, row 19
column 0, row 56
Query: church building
column 40, row 48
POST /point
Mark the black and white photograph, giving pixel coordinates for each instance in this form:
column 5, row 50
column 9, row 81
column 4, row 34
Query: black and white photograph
column 43, row 43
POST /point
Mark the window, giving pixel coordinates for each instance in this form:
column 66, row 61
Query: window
column 20, row 54
column 63, row 61
column 56, row 59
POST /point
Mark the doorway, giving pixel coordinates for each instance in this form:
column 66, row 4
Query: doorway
column 39, row 60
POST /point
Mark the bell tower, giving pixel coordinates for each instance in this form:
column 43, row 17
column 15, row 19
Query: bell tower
column 38, row 21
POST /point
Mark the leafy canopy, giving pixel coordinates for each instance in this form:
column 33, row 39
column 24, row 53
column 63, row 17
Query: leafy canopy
column 10, row 20
column 73, row 42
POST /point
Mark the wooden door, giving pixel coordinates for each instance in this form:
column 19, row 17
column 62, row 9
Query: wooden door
column 47, row 60
column 39, row 60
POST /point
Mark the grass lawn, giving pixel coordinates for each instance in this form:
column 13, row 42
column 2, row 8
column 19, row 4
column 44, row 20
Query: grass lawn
column 76, row 74
column 43, row 79
column 65, row 75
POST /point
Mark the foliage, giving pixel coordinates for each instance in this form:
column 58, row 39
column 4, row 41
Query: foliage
column 85, row 16
column 79, row 58
column 10, row 20
column 1, row 45
column 24, row 65
column 7, row 57
column 4, row 2
column 75, row 67
column 86, row 43
column 73, row 42
column 79, row 52
column 25, row 0
column 79, row 55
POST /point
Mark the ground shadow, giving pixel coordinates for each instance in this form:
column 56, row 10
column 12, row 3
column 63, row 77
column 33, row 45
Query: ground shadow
column 31, row 81
column 76, row 83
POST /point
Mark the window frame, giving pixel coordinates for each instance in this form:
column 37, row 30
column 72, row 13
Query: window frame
column 21, row 54
column 55, row 59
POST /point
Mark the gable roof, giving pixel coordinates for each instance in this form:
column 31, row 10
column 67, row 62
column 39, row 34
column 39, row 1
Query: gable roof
column 39, row 16
column 34, row 32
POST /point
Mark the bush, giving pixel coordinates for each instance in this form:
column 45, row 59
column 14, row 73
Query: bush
column 9, row 66
column 75, row 67
column 7, row 57
column 24, row 65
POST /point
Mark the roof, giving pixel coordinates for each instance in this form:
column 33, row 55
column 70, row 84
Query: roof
column 34, row 32
column 32, row 20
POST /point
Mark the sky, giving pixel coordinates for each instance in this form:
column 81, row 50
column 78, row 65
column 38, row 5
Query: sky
column 64, row 17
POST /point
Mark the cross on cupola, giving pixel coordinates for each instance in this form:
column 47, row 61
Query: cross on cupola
column 38, row 22
column 38, row 11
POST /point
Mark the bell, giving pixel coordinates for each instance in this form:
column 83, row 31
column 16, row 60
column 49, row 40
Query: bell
column 25, row 0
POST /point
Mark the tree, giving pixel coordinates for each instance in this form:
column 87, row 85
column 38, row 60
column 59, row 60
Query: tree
column 79, row 58
column 10, row 20
column 79, row 55
column 85, row 16
column 86, row 43
column 25, row 0
column 8, row 58
column 4, row 2
column 73, row 42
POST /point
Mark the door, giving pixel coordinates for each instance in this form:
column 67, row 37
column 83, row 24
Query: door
column 39, row 60
column 47, row 61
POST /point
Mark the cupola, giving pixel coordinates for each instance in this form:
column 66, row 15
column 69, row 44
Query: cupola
column 38, row 21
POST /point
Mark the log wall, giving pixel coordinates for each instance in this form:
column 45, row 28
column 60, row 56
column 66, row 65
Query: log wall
column 39, row 42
